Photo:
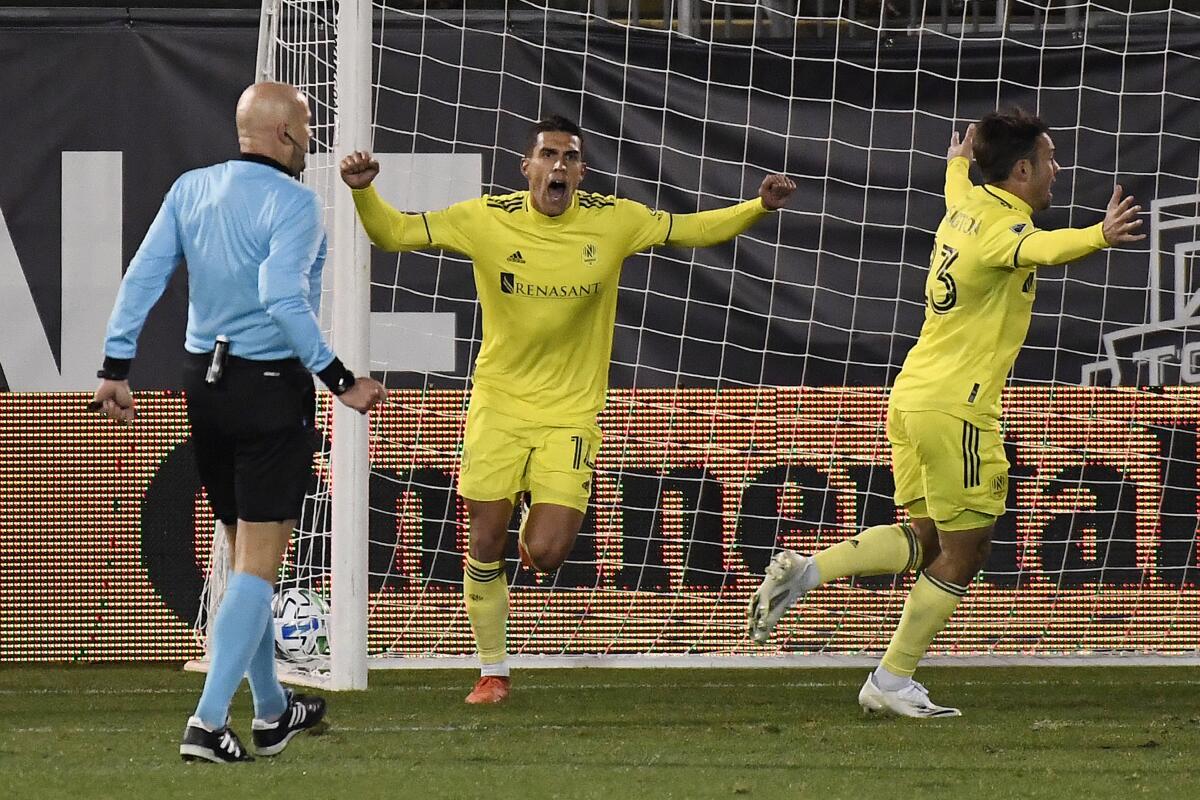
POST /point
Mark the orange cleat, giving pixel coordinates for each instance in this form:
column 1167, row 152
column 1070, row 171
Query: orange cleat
column 489, row 689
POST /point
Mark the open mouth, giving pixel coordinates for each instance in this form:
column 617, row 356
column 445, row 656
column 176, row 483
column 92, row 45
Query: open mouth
column 557, row 191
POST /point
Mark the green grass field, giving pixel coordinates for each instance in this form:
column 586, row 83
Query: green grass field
column 1063, row 733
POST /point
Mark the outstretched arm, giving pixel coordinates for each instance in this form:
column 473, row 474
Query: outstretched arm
column 388, row 228
column 705, row 228
column 958, row 165
column 1119, row 226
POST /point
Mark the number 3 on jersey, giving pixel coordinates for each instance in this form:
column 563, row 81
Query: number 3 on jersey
column 945, row 259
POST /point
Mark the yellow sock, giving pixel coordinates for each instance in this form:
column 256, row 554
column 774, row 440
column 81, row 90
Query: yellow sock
column 485, row 590
column 926, row 611
column 881, row 550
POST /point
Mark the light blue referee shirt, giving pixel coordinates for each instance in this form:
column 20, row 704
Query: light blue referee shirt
column 255, row 249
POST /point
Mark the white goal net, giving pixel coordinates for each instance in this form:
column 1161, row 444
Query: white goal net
column 749, row 380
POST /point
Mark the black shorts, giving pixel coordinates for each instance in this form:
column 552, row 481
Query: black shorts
column 254, row 436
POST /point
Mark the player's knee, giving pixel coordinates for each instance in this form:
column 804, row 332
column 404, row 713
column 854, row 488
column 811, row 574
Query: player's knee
column 547, row 556
column 550, row 535
column 924, row 528
column 487, row 544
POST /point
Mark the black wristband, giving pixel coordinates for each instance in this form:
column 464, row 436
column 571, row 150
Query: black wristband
column 114, row 369
column 336, row 377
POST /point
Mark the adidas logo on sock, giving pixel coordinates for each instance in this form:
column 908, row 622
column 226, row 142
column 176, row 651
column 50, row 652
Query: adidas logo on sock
column 516, row 257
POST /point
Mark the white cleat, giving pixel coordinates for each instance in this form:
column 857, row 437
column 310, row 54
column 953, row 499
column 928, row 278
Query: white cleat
column 780, row 589
column 911, row 701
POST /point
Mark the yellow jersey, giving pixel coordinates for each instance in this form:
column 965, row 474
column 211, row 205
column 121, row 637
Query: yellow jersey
column 979, row 298
column 547, row 286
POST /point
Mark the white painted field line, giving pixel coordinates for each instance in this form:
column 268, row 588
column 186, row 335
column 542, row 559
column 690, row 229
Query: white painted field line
column 1041, row 724
column 559, row 687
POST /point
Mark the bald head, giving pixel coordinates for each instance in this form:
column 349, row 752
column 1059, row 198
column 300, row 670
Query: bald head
column 272, row 121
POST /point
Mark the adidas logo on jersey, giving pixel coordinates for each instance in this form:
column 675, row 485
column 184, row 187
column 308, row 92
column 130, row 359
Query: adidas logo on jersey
column 516, row 257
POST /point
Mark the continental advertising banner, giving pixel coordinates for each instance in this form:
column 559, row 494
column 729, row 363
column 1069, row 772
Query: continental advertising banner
column 105, row 534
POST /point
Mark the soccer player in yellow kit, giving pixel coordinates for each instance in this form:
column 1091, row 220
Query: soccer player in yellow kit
column 547, row 263
column 943, row 419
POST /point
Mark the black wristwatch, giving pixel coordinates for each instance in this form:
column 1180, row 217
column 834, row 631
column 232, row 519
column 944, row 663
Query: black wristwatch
column 114, row 369
column 337, row 377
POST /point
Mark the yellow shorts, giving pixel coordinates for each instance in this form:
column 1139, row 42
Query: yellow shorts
column 951, row 464
column 504, row 456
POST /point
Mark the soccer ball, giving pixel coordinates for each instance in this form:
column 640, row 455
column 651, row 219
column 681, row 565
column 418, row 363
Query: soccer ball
column 301, row 625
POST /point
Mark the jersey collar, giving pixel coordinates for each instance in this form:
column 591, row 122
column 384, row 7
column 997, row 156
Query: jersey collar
column 1008, row 198
column 267, row 160
column 561, row 219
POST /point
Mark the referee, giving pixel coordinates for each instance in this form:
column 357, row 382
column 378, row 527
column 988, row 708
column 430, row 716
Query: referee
column 252, row 238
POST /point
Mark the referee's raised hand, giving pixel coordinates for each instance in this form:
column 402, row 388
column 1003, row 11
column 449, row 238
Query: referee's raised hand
column 359, row 169
column 364, row 395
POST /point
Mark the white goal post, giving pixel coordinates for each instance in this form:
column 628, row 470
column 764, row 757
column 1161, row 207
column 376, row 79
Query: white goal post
column 332, row 64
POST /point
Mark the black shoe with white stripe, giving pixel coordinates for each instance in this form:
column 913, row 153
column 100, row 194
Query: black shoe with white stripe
column 303, row 713
column 221, row 746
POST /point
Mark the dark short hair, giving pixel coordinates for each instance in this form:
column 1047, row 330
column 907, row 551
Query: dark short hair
column 1002, row 138
column 551, row 124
